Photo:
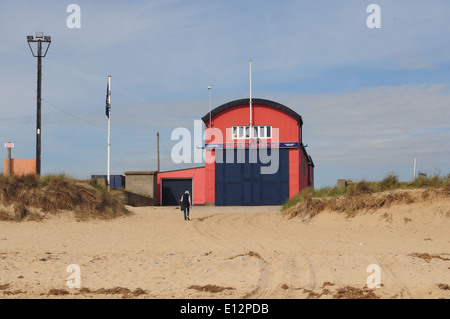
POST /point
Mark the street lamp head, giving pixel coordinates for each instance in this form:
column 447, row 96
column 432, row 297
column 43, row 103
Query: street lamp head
column 43, row 43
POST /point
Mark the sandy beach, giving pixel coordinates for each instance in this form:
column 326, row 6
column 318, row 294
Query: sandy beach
column 231, row 252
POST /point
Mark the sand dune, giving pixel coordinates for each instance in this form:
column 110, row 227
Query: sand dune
column 232, row 252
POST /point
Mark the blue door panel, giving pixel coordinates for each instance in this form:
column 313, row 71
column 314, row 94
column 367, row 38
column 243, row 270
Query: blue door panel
column 173, row 189
column 243, row 183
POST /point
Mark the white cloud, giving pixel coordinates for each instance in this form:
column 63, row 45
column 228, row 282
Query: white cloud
column 385, row 127
column 415, row 66
column 163, row 54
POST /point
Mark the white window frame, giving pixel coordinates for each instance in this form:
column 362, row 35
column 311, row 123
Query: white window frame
column 243, row 132
column 240, row 132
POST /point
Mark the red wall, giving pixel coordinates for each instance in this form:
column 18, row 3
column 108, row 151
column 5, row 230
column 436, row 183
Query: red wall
column 210, row 181
column 198, row 182
column 304, row 168
column 239, row 115
column 311, row 176
column 20, row 166
column 294, row 185
column 262, row 115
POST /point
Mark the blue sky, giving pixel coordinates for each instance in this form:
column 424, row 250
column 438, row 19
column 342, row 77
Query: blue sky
column 372, row 100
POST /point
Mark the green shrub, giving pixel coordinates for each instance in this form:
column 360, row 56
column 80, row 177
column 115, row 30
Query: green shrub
column 390, row 182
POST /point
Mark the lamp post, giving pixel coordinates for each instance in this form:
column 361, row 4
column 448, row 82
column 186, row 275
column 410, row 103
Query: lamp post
column 209, row 89
column 39, row 39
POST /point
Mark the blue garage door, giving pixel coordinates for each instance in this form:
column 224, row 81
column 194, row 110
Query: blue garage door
column 173, row 189
column 243, row 184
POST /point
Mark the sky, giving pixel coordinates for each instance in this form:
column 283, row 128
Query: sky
column 372, row 99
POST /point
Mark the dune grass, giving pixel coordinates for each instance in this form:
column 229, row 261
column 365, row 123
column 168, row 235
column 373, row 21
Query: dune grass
column 22, row 197
column 356, row 196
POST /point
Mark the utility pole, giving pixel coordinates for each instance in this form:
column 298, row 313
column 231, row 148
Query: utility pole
column 157, row 147
column 9, row 146
column 39, row 39
column 108, row 114
column 9, row 161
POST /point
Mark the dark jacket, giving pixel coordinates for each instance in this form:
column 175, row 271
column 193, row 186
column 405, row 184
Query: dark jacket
column 186, row 200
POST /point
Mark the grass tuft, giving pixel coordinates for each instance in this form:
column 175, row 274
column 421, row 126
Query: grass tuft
column 390, row 182
column 364, row 195
column 57, row 193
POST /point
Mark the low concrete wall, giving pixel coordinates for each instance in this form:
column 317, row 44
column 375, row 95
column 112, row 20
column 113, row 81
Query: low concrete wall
column 142, row 182
column 137, row 200
column 341, row 183
column 101, row 181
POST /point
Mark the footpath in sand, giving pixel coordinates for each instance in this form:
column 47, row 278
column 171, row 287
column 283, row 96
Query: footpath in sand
column 231, row 252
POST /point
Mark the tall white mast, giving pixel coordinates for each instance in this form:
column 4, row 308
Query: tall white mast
column 251, row 102
column 414, row 171
column 109, row 130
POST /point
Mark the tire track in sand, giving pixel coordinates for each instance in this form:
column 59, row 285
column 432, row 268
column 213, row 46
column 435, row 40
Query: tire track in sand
column 265, row 282
column 263, row 242
column 210, row 227
column 390, row 274
column 312, row 273
column 242, row 224
column 244, row 232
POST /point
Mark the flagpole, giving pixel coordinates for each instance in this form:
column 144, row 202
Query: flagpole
column 109, row 129
column 251, row 102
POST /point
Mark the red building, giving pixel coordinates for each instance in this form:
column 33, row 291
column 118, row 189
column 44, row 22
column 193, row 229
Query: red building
column 254, row 155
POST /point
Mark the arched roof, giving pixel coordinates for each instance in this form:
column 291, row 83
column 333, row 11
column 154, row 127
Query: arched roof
column 273, row 104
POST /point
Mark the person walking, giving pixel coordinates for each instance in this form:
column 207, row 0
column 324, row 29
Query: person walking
column 186, row 203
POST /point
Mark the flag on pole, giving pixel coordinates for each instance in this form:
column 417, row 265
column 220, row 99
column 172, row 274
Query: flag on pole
column 108, row 114
column 108, row 102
